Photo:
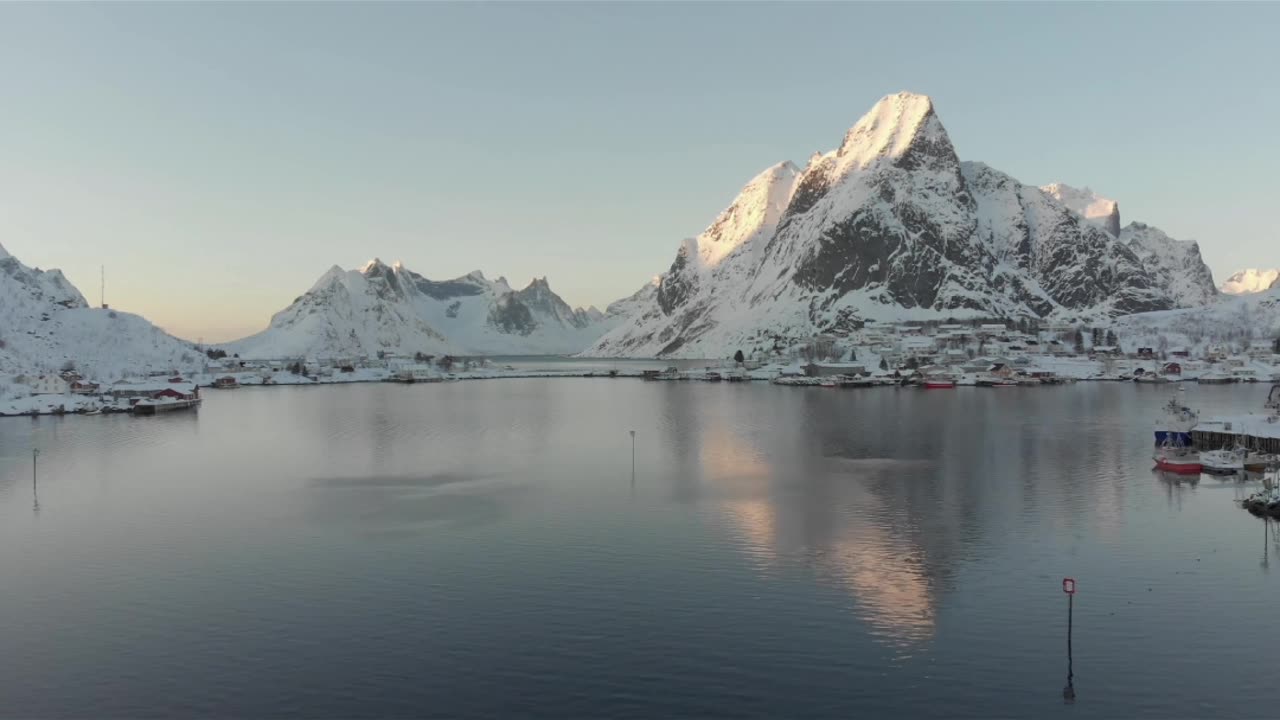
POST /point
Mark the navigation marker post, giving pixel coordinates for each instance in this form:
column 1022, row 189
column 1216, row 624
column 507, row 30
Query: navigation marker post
column 1069, row 692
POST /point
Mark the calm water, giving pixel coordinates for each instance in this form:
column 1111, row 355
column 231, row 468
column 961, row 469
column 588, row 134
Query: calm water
column 480, row 549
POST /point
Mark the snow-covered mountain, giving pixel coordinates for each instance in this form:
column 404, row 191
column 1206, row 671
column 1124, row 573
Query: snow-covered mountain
column 46, row 325
column 393, row 309
column 1251, row 280
column 1177, row 266
column 892, row 226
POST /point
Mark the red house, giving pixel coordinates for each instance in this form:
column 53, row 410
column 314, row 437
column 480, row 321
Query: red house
column 1172, row 368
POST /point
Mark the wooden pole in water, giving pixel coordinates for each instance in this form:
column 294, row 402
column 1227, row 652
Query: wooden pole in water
column 35, row 497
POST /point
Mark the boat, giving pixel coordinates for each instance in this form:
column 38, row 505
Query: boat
column 1261, row 462
column 156, row 406
column 995, row 381
column 1177, row 459
column 1151, row 378
column 1267, row 500
column 1176, row 423
column 1222, row 462
column 939, row 381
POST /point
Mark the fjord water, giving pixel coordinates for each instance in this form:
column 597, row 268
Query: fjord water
column 481, row 549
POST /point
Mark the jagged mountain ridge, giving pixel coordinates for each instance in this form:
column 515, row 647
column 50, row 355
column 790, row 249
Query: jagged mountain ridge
column 389, row 308
column 1176, row 265
column 891, row 225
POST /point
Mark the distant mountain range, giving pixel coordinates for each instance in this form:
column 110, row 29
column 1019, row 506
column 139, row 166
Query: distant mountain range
column 1251, row 281
column 893, row 226
column 392, row 309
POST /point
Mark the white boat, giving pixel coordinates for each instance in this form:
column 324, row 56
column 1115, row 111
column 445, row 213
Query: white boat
column 1222, row 462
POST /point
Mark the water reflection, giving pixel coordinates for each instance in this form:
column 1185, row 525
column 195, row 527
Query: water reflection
column 840, row 526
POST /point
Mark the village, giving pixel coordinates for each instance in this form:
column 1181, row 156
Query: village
column 934, row 355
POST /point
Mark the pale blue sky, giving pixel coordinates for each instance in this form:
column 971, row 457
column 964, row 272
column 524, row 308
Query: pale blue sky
column 219, row 157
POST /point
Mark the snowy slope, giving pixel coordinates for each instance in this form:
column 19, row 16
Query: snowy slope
column 628, row 306
column 891, row 225
column 353, row 313
column 46, row 323
column 1250, row 281
column 1233, row 322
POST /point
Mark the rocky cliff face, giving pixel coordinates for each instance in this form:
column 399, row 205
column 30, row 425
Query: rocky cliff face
column 891, row 225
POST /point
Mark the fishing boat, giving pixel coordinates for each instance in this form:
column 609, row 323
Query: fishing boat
column 1267, row 500
column 1177, row 459
column 1222, row 462
column 1176, row 423
column 1261, row 462
column 995, row 381
column 939, row 381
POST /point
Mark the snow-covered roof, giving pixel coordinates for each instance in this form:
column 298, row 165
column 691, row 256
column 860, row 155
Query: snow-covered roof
column 184, row 386
column 1260, row 426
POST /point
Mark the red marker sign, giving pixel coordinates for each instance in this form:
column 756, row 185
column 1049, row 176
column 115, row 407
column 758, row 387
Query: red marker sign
column 1069, row 586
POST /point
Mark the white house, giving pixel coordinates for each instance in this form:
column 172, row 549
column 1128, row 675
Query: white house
column 50, row 385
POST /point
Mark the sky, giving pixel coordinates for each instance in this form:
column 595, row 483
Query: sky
column 218, row 158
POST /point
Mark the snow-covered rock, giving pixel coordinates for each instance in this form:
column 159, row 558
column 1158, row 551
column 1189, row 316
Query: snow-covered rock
column 389, row 308
column 889, row 226
column 1104, row 212
column 1251, row 280
column 1176, row 265
column 46, row 325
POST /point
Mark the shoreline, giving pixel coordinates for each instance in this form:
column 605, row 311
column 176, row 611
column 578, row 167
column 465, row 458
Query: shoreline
column 63, row 405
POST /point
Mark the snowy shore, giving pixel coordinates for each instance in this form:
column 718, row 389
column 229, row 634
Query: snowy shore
column 13, row 403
